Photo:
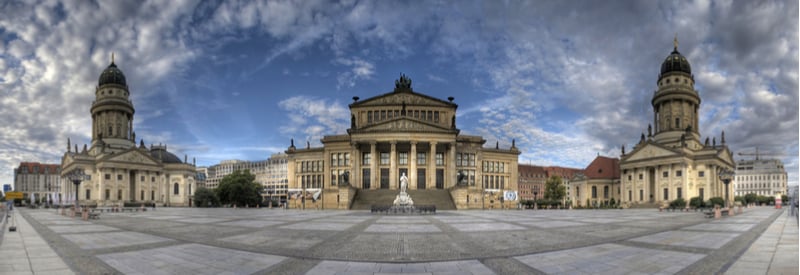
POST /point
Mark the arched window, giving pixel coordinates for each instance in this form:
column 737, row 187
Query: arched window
column 176, row 189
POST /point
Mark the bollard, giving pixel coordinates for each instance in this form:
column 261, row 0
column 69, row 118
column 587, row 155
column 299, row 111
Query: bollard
column 717, row 212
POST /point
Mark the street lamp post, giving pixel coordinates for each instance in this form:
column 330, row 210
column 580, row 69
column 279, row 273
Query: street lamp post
column 726, row 176
column 76, row 176
column 535, row 194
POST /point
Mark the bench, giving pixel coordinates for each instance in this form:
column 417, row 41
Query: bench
column 710, row 214
column 94, row 215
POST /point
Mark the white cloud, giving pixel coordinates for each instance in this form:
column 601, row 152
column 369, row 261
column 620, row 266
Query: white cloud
column 312, row 118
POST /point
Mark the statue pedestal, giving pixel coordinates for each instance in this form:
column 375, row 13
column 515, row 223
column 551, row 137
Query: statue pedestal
column 403, row 199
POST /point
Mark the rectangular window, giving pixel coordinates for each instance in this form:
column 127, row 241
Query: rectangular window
column 472, row 160
column 384, row 158
column 436, row 116
column 108, row 194
column 702, row 195
column 334, row 176
column 153, row 179
column 679, row 173
column 430, row 115
column 403, row 158
column 390, row 114
column 369, row 116
column 421, row 158
column 640, row 176
column 119, row 195
column 152, row 195
column 630, row 178
column 108, row 176
column 641, row 195
column 333, row 159
column 458, row 160
column 666, row 194
column 88, row 194
column 142, row 195
column 340, row 160
column 347, row 159
column 141, row 178
column 630, row 195
column 416, row 113
column 439, row 159
column 383, row 115
column 594, row 192
column 701, row 174
column 605, row 192
column 665, row 174
column 366, row 158
column 680, row 193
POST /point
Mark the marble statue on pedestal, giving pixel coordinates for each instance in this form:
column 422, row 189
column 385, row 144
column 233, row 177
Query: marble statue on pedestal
column 403, row 199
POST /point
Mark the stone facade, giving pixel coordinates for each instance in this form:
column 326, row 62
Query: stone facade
column 37, row 178
column 119, row 171
column 764, row 177
column 671, row 161
column 399, row 132
column 597, row 185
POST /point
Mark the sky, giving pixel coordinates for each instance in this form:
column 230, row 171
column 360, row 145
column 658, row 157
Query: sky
column 568, row 80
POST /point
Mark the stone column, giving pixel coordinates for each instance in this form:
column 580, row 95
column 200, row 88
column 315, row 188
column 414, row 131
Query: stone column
column 431, row 182
column 393, row 176
column 412, row 167
column 450, row 164
column 355, row 171
column 373, row 173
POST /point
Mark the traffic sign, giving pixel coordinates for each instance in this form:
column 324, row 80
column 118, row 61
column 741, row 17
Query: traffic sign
column 13, row 195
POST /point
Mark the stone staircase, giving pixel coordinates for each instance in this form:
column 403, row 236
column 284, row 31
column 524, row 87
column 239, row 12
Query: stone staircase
column 365, row 199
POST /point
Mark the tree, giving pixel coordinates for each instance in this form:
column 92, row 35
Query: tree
column 239, row 188
column 204, row 197
column 554, row 190
column 750, row 198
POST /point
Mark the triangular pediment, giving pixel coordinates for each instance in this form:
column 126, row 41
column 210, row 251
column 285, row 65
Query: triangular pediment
column 650, row 151
column 725, row 155
column 398, row 98
column 405, row 125
column 132, row 156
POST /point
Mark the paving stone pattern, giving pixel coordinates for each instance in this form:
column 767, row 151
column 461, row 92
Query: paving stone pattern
column 266, row 241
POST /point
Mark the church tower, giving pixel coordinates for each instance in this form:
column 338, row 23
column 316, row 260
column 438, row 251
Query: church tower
column 671, row 162
column 676, row 102
column 112, row 112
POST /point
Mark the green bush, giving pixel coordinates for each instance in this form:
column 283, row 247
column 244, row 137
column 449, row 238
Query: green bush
column 739, row 199
column 716, row 201
column 612, row 203
column 696, row 202
column 204, row 197
column 751, row 198
column 678, row 203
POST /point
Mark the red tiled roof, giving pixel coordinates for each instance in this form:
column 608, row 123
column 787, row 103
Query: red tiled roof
column 603, row 168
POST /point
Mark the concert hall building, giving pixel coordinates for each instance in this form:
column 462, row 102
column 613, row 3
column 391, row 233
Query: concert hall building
column 402, row 132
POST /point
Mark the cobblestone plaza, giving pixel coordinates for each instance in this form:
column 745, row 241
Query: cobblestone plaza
column 271, row 241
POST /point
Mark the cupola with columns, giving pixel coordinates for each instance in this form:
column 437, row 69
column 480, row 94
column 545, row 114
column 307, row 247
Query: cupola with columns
column 112, row 111
column 675, row 102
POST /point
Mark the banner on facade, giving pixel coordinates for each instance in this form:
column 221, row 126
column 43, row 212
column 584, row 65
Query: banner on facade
column 510, row 195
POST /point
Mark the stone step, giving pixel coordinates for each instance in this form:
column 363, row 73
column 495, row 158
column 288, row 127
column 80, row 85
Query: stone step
column 365, row 199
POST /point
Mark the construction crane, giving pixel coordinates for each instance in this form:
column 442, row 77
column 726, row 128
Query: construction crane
column 757, row 154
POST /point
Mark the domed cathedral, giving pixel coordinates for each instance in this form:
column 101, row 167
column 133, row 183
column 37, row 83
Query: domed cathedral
column 671, row 161
column 117, row 170
column 402, row 133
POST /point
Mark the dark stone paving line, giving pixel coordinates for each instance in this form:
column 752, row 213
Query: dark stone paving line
column 720, row 259
column 697, row 250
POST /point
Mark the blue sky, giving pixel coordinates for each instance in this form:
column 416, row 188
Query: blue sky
column 220, row 80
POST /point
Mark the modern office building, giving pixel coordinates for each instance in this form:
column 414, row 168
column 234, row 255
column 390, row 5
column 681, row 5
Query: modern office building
column 403, row 132
column 765, row 177
column 672, row 161
column 117, row 170
column 37, row 178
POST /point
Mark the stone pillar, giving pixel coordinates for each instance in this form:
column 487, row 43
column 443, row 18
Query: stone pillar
column 373, row 173
column 450, row 164
column 355, row 171
column 431, row 173
column 393, row 176
column 412, row 167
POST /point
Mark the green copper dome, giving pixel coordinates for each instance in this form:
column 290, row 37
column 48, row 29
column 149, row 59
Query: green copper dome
column 676, row 62
column 112, row 75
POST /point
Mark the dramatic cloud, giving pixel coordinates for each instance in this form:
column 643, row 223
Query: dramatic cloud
column 567, row 80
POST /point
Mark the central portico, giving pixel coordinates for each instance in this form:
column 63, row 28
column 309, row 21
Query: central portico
column 400, row 132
